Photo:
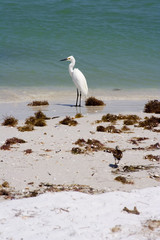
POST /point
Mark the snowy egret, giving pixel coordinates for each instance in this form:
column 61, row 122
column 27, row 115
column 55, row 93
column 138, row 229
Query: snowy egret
column 78, row 79
column 117, row 154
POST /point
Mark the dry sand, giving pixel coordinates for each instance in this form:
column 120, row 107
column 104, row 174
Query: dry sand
column 51, row 161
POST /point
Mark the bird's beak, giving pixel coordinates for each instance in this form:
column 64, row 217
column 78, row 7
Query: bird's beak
column 65, row 59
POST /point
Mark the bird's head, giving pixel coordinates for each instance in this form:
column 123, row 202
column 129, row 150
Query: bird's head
column 70, row 59
column 117, row 147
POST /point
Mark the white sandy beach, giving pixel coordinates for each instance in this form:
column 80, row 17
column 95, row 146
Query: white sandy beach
column 51, row 163
column 71, row 215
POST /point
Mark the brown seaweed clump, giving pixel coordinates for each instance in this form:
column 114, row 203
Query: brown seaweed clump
column 28, row 151
column 38, row 103
column 92, row 101
column 69, row 121
column 5, row 193
column 10, row 121
column 151, row 157
column 78, row 115
column 94, row 145
column 109, row 129
column 101, row 129
column 135, row 168
column 131, row 119
column 25, row 128
column 5, row 184
column 125, row 129
column 149, row 123
column 91, row 145
column 152, row 107
column 38, row 120
column 109, row 118
column 112, row 129
column 81, row 142
column 76, row 150
column 123, row 180
column 153, row 147
column 10, row 142
column 136, row 140
column 40, row 115
column 30, row 121
column 128, row 119
column 14, row 140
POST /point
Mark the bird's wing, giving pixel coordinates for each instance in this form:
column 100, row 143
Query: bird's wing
column 80, row 81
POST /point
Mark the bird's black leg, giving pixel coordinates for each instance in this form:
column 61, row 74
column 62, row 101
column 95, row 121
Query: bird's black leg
column 77, row 97
column 115, row 162
column 80, row 100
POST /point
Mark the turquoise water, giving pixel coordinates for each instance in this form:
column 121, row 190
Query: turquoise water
column 116, row 43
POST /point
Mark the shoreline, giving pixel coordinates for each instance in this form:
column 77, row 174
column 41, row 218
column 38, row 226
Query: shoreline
column 59, row 94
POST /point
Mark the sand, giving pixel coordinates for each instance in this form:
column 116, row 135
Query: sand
column 72, row 215
column 51, row 160
column 50, row 166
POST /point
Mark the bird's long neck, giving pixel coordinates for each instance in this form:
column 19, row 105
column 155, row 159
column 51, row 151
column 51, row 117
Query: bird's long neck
column 71, row 66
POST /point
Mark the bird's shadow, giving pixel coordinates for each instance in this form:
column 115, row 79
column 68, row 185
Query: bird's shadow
column 68, row 105
column 113, row 165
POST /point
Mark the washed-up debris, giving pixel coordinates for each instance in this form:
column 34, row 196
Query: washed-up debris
column 72, row 187
column 10, row 142
column 125, row 129
column 131, row 119
column 152, row 147
column 38, row 103
column 26, row 128
column 38, row 120
column 5, row 184
column 77, row 150
column 101, row 129
column 91, row 145
column 153, row 224
column 134, row 211
column 116, row 229
column 92, row 101
column 128, row 119
column 149, row 123
column 135, row 168
column 109, row 129
column 78, row 115
column 10, row 121
column 136, row 140
column 109, row 118
column 10, row 193
column 4, row 192
column 123, row 180
column 155, row 176
column 28, row 151
column 112, row 129
column 152, row 107
column 151, row 157
column 69, row 121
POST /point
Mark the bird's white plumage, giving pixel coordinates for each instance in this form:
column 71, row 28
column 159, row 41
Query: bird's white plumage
column 80, row 81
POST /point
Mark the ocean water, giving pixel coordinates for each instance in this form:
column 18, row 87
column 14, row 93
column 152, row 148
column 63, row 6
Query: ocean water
column 116, row 43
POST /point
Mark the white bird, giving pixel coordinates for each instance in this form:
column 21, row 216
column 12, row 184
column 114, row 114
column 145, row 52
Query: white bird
column 78, row 79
